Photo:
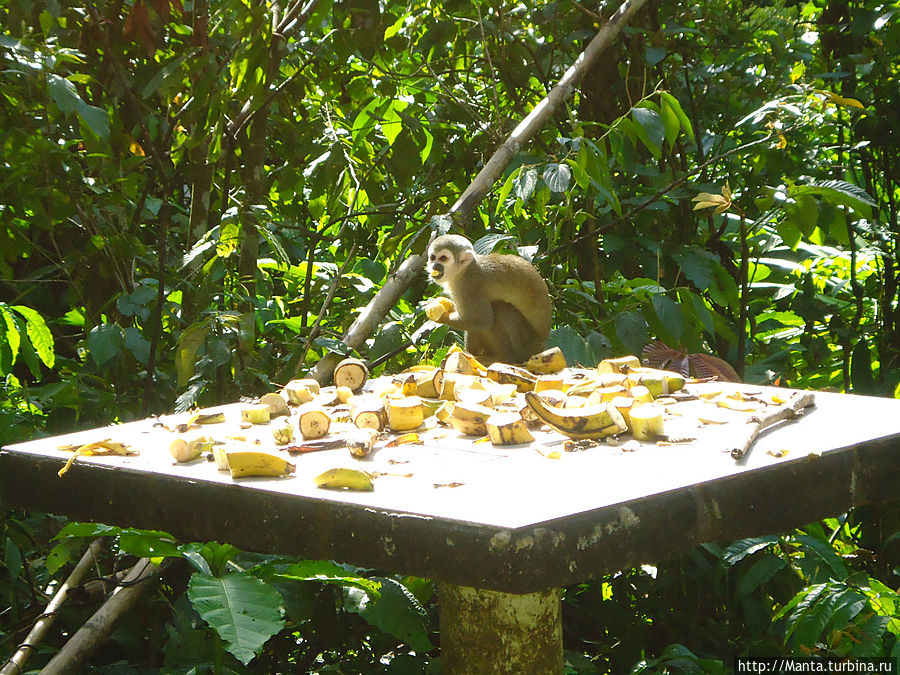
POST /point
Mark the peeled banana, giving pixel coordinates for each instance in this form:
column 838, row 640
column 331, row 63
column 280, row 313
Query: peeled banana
column 587, row 422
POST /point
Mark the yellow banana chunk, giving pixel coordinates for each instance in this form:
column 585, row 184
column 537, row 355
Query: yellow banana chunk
column 256, row 414
column 647, row 421
column 621, row 364
column 405, row 413
column 438, row 307
column 588, row 422
column 548, row 361
column 243, row 463
column 343, row 478
column 659, row 382
column 506, row 374
column 508, row 429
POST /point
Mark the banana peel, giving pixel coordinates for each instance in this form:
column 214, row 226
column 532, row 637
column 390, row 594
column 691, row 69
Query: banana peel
column 245, row 463
column 596, row 421
column 546, row 362
column 342, row 478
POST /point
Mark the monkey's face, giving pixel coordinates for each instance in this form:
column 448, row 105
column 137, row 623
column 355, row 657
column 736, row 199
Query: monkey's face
column 443, row 265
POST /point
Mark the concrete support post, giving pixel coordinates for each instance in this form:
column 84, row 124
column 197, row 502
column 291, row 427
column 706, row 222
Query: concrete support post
column 492, row 632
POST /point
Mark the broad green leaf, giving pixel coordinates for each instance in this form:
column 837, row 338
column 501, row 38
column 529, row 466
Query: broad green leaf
column 699, row 310
column 672, row 103
column 650, row 129
column 631, row 329
column 525, row 183
column 392, row 124
column 571, row 343
column 671, row 123
column 329, row 572
column 744, row 547
column 137, row 344
column 64, row 94
column 838, row 192
column 39, row 334
column 651, row 124
column 96, row 119
column 557, row 177
column 671, row 317
column 147, row 545
column 827, row 554
column 396, row 612
column 104, row 343
column 804, row 213
column 189, row 343
column 760, row 572
column 243, row 610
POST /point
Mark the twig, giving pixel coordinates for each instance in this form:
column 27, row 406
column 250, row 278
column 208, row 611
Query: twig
column 16, row 662
column 80, row 646
column 755, row 424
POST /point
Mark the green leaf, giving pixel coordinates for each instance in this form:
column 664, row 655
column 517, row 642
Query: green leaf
column 11, row 334
column 104, row 343
column 631, row 329
column 557, row 177
column 189, row 343
column 392, row 124
column 328, row 572
column 39, row 334
column 525, row 183
column 396, row 612
column 146, row 544
column 64, row 94
column 243, row 610
column 96, row 119
column 804, row 213
column 503, row 193
column 669, row 101
column 650, row 129
column 671, row 317
column 826, row 554
column 744, row 547
column 838, row 192
column 760, row 572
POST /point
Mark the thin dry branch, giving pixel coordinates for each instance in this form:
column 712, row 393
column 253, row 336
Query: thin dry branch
column 390, row 293
column 80, row 646
column 755, row 424
column 35, row 636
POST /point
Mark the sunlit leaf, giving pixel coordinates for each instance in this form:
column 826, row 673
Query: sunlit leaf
column 243, row 610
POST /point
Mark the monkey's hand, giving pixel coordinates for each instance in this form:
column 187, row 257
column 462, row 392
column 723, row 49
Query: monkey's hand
column 439, row 309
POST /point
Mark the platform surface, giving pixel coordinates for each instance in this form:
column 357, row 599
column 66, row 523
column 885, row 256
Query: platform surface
column 516, row 519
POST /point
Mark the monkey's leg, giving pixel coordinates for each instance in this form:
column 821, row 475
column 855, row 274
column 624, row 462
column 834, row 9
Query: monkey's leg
column 513, row 336
column 481, row 345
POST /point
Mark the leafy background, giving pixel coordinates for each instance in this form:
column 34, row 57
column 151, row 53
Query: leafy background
column 197, row 198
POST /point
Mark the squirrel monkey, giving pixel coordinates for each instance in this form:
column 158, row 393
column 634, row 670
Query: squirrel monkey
column 500, row 301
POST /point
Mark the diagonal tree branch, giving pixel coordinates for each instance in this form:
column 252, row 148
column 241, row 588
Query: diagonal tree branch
column 390, row 293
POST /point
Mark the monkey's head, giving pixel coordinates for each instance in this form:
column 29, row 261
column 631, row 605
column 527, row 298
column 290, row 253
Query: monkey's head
column 448, row 256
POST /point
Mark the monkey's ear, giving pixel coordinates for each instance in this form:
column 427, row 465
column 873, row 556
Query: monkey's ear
column 466, row 256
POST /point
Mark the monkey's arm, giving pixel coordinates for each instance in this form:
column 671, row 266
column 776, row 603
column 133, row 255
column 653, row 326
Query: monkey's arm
column 473, row 313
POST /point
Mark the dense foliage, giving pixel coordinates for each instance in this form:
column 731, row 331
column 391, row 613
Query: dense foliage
column 197, row 198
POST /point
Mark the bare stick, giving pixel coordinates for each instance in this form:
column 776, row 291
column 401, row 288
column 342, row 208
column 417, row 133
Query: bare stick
column 539, row 115
column 387, row 297
column 755, row 424
column 17, row 661
column 100, row 625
